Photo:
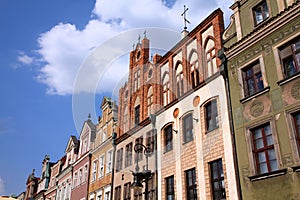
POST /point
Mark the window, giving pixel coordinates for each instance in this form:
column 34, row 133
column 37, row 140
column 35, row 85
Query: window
column 94, row 170
column 263, row 149
column 119, row 159
column 137, row 76
column 211, row 115
column 85, row 175
column 107, row 196
column 109, row 161
column 101, row 166
column 75, row 183
column 151, row 189
column 139, row 153
column 117, row 193
column 125, row 124
column 137, row 115
column 99, row 197
column 170, row 194
column 187, row 128
column 252, row 79
column 217, row 180
column 191, row 185
column 150, row 141
column 166, row 90
column 138, row 194
column 127, row 191
column 194, row 68
column 168, row 137
column 290, row 57
column 150, row 100
column 260, row 12
column 179, row 80
column 296, row 119
column 80, row 177
column 128, row 154
column 211, row 57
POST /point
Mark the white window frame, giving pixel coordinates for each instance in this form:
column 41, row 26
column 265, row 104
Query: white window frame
column 109, row 161
column 101, row 166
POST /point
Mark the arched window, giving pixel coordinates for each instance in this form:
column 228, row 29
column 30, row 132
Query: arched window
column 211, row 61
column 150, row 100
column 166, row 89
column 168, row 137
column 194, row 67
column 125, row 119
column 137, row 111
column 179, row 79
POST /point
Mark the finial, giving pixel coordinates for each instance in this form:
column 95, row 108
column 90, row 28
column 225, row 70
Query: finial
column 139, row 38
column 145, row 34
column 184, row 16
column 133, row 46
column 89, row 116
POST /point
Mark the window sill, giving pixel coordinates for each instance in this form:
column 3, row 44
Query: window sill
column 207, row 132
column 186, row 142
column 296, row 168
column 165, row 152
column 289, row 79
column 267, row 175
column 248, row 98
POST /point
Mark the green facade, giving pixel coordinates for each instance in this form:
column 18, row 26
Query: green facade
column 264, row 120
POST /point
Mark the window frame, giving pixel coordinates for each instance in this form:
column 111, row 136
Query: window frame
column 253, row 151
column 191, row 173
column 127, row 191
column 128, row 154
column 117, row 194
column 137, row 111
column 296, row 127
column 210, row 113
column 119, row 163
column 139, row 154
column 109, row 161
column 253, row 77
column 168, row 137
column 101, row 166
column 150, row 141
column 260, row 7
column 291, row 44
column 170, row 189
column 219, row 179
column 188, row 127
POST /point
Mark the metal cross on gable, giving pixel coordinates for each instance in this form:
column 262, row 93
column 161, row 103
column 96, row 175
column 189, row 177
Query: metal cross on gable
column 184, row 16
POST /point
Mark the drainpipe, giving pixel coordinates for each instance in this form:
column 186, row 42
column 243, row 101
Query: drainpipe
column 114, row 136
column 224, row 73
column 88, row 175
column 153, row 121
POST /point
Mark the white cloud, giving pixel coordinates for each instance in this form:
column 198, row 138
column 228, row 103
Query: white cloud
column 64, row 48
column 24, row 59
column 2, row 188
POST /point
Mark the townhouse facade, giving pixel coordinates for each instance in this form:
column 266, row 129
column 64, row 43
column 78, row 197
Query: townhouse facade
column 100, row 181
column 44, row 180
column 81, row 167
column 262, row 49
column 176, row 106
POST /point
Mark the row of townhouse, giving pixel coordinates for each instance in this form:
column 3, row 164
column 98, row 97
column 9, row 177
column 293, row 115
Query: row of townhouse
column 216, row 117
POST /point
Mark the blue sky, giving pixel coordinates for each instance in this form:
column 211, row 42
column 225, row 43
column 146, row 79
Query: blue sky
column 44, row 45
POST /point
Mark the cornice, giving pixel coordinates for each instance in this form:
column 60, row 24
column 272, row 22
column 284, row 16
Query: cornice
column 258, row 34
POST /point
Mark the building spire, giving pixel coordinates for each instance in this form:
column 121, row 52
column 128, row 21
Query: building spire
column 185, row 9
